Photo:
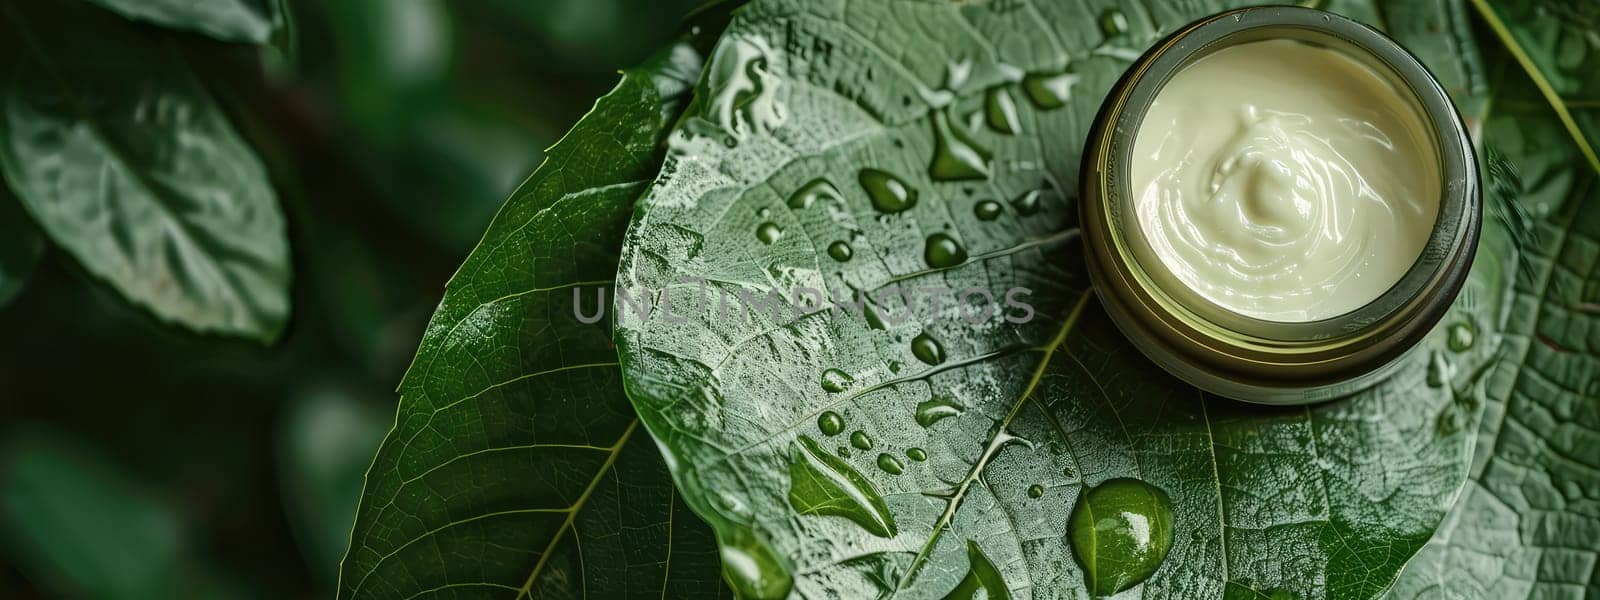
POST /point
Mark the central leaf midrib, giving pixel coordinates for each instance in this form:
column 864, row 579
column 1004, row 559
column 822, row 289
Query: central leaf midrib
column 995, row 443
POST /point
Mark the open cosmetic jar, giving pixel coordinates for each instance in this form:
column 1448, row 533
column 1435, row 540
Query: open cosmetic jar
column 1278, row 203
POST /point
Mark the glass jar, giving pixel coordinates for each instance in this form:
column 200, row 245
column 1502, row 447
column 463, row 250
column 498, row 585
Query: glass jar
column 1242, row 357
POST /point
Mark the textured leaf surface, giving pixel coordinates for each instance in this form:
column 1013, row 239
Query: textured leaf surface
column 126, row 162
column 226, row 20
column 516, row 466
column 940, row 144
column 1528, row 523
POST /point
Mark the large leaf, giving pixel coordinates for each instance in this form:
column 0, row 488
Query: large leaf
column 1557, row 43
column 1528, row 524
column 863, row 146
column 226, row 20
column 516, row 466
column 126, row 162
column 20, row 248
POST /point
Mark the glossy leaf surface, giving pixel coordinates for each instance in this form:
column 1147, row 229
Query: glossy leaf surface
column 516, row 466
column 127, row 163
column 869, row 125
column 226, row 20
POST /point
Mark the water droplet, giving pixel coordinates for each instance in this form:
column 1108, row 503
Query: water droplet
column 934, row 410
column 1440, row 370
column 1113, row 22
column 1000, row 111
column 1461, row 337
column 830, row 423
column 1035, row 491
column 752, row 569
column 917, row 454
column 811, row 193
column 874, row 320
column 944, row 251
column 927, row 349
column 987, row 210
column 822, row 484
column 982, row 580
column 889, row 194
column 956, row 157
column 835, row 381
column 1049, row 91
column 890, row 464
column 840, row 251
column 768, row 232
column 1120, row 531
column 1027, row 203
column 860, row 440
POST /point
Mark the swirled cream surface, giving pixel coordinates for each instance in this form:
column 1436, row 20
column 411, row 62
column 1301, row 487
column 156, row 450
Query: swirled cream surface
column 1284, row 181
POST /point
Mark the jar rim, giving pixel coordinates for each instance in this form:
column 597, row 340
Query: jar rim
column 1220, row 344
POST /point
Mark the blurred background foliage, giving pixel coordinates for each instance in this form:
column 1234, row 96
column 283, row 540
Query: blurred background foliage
column 138, row 459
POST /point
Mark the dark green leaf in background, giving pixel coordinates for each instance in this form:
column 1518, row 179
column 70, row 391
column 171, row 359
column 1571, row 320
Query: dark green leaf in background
column 853, row 147
column 79, row 527
column 325, row 443
column 226, row 20
column 126, row 162
column 1557, row 43
column 516, row 466
column 20, row 247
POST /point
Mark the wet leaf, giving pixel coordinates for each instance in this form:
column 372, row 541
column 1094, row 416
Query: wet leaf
column 1046, row 401
column 516, row 465
column 127, row 163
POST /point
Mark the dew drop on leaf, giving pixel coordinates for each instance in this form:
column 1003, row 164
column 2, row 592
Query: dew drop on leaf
column 1461, row 336
column 890, row 464
column 830, row 423
column 1035, row 491
column 840, row 251
column 1113, row 22
column 1120, row 532
column 1049, row 91
column 1000, row 111
column 936, row 409
column 927, row 349
column 860, row 440
column 944, row 251
column 835, row 381
column 889, row 194
column 822, row 484
column 987, row 210
column 956, row 156
column 768, row 232
column 752, row 569
column 812, row 192
column 1440, row 370
column 1027, row 203
column 916, row 454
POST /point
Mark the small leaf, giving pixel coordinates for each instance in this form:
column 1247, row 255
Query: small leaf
column 127, row 163
column 227, row 20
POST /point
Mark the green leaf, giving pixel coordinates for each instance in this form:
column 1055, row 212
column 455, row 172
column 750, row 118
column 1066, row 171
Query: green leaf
column 516, row 466
column 77, row 526
column 965, row 446
column 1557, row 42
column 1527, row 524
column 20, row 248
column 226, row 20
column 126, row 162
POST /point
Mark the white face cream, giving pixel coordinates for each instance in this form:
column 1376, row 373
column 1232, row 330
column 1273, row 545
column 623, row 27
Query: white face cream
column 1284, row 181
